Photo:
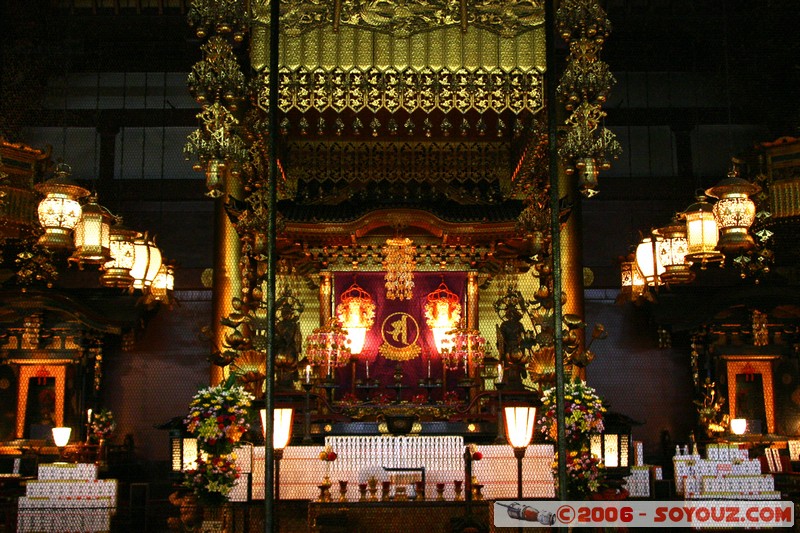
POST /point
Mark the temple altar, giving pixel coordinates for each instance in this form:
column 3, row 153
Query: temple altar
column 301, row 470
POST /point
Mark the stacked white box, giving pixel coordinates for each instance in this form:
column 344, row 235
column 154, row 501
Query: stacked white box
column 61, row 471
column 638, row 483
column 67, row 497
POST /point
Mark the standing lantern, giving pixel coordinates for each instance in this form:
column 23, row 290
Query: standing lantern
column 59, row 211
column 613, row 446
column 735, row 213
column 519, row 432
column 92, row 235
column 281, row 435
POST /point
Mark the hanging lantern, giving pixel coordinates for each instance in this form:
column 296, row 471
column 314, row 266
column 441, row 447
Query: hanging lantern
column 327, row 348
column 442, row 311
column 735, row 213
column 399, row 262
column 117, row 271
column 588, row 171
column 702, row 233
column 633, row 283
column 356, row 312
column 92, row 234
column 163, row 284
column 647, row 260
column 215, row 172
column 672, row 253
column 146, row 262
column 59, row 211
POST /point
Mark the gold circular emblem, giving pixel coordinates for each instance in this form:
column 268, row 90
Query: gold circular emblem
column 400, row 330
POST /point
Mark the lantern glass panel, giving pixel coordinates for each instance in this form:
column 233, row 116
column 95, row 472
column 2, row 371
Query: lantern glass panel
column 59, row 211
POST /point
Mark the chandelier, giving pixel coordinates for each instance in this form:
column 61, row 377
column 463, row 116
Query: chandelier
column 356, row 313
column 442, row 313
column 399, row 262
column 465, row 346
column 328, row 346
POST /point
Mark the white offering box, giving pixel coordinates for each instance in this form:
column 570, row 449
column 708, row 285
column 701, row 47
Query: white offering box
column 240, row 490
column 638, row 447
column 794, row 450
column 638, row 483
column 59, row 515
column 658, row 472
column 86, row 471
column 67, row 498
column 73, row 488
column 244, row 458
column 741, row 483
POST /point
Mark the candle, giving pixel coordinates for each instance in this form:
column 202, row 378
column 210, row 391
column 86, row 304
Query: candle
column 308, row 373
column 499, row 373
column 429, row 368
column 367, row 364
column 89, row 416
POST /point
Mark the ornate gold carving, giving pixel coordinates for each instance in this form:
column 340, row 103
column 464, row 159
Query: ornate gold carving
column 420, row 162
column 400, row 333
column 404, row 18
column 428, row 89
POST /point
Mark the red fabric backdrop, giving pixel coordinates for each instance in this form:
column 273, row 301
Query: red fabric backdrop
column 381, row 368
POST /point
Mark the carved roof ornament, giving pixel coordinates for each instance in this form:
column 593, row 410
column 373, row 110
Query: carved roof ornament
column 404, row 18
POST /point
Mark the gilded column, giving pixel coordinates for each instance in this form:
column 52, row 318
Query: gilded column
column 472, row 300
column 325, row 296
column 572, row 257
column 227, row 282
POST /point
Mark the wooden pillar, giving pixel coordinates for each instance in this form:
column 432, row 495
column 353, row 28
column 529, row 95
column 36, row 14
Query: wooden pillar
column 325, row 296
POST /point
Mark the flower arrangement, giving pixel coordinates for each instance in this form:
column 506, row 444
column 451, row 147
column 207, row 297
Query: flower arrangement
column 327, row 454
column 474, row 453
column 419, row 399
column 350, row 399
column 102, row 425
column 212, row 480
column 585, row 473
column 381, row 399
column 451, row 398
column 583, row 412
column 218, row 417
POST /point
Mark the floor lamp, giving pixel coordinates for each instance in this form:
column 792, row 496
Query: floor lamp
column 281, row 435
column 61, row 438
column 519, row 431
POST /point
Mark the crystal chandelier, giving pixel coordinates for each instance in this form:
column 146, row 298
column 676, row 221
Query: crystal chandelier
column 466, row 346
column 356, row 312
column 399, row 262
column 327, row 346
